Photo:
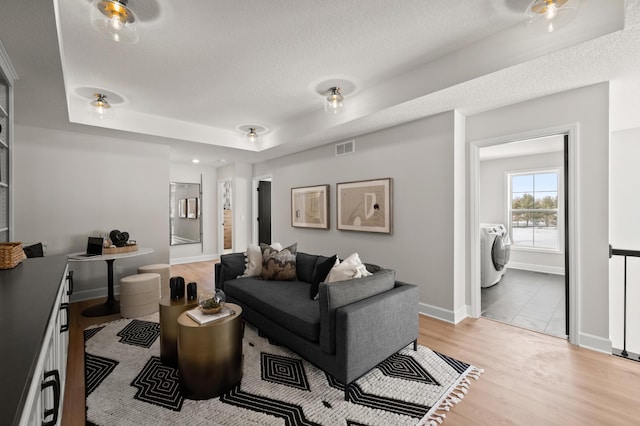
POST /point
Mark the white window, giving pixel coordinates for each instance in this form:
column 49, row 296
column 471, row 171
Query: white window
column 533, row 210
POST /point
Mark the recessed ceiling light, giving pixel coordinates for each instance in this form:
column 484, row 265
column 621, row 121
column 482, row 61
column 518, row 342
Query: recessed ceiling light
column 195, row 161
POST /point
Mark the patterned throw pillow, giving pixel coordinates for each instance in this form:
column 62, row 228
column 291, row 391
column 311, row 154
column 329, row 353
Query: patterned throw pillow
column 279, row 265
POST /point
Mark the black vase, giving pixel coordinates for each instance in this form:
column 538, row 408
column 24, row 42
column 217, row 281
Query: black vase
column 176, row 284
column 192, row 291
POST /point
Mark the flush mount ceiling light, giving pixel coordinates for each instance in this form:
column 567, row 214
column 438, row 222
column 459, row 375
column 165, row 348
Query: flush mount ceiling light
column 115, row 20
column 252, row 135
column 100, row 108
column 549, row 15
column 333, row 102
column 252, row 131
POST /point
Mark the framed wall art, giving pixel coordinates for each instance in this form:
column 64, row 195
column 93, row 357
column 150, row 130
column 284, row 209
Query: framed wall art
column 365, row 206
column 310, row 207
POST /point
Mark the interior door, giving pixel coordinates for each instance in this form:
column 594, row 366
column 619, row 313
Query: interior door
column 566, row 234
column 264, row 212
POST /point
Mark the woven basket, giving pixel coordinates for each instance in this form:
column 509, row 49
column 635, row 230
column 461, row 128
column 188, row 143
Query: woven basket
column 11, row 254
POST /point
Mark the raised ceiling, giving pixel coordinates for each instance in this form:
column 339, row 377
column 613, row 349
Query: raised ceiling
column 203, row 68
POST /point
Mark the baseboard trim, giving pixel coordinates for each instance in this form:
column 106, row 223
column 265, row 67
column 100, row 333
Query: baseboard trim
column 192, row 259
column 595, row 343
column 555, row 270
column 445, row 315
column 97, row 293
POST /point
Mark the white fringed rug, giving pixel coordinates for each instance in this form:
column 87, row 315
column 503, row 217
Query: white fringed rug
column 127, row 385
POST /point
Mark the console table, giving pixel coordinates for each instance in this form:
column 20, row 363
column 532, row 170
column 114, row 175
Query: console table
column 111, row 306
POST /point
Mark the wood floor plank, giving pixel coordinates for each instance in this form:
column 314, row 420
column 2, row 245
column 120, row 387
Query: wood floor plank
column 529, row 378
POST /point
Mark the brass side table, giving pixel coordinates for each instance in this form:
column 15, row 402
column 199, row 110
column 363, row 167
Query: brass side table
column 210, row 355
column 170, row 310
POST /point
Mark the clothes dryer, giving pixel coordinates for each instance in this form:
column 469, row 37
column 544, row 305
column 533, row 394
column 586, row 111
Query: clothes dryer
column 495, row 250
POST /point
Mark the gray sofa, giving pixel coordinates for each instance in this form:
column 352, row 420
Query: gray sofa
column 353, row 326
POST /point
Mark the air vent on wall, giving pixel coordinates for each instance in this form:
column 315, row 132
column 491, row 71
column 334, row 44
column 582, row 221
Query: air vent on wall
column 343, row 148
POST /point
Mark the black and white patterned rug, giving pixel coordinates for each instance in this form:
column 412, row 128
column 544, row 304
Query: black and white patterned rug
column 126, row 384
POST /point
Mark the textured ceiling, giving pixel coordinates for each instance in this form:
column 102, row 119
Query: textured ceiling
column 202, row 69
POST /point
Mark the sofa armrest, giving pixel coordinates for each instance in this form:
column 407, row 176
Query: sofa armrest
column 218, row 282
column 335, row 295
column 231, row 266
column 373, row 329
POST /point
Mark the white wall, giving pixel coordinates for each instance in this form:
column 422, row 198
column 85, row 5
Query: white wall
column 588, row 108
column 68, row 186
column 494, row 202
column 209, row 248
column 419, row 156
column 624, row 228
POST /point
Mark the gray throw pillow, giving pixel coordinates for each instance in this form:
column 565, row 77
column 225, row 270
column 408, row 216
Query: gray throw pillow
column 279, row 265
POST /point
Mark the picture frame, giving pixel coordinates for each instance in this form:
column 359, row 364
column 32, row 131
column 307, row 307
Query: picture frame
column 365, row 206
column 182, row 208
column 310, row 207
column 192, row 208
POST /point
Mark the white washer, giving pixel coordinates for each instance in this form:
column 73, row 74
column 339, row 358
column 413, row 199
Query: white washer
column 495, row 250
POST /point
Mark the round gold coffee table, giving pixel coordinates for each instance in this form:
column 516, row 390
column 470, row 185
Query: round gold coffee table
column 170, row 310
column 210, row 355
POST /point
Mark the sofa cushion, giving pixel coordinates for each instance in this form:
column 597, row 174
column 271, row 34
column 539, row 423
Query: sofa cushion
column 320, row 274
column 305, row 265
column 285, row 302
column 232, row 266
column 279, row 265
column 335, row 295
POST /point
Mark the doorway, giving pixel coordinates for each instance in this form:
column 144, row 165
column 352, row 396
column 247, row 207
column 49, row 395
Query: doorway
column 522, row 191
column 225, row 212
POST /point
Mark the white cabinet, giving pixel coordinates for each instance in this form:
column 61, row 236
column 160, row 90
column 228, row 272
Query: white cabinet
column 46, row 393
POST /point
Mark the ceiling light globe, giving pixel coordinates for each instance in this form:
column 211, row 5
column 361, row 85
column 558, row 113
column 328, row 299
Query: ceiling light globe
column 333, row 102
column 115, row 20
column 100, row 108
column 252, row 135
column 552, row 11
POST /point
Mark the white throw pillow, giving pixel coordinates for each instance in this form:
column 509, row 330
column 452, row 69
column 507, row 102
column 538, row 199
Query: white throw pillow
column 253, row 259
column 351, row 267
column 277, row 247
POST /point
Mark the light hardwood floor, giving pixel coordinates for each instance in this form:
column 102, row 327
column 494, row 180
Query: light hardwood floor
column 529, row 378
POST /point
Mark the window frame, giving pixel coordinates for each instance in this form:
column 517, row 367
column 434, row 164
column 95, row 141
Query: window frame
column 560, row 209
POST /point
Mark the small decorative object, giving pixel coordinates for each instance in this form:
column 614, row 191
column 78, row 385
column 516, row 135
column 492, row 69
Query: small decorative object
column 212, row 303
column 119, row 239
column 310, row 207
column 192, row 291
column 365, row 206
column 176, row 285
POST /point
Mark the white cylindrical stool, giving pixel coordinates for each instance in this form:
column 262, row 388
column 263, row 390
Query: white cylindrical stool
column 139, row 295
column 165, row 275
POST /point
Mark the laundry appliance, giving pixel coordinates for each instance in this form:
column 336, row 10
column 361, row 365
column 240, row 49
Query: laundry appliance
column 495, row 250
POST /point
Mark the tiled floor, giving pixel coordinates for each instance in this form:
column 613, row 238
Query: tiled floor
column 527, row 299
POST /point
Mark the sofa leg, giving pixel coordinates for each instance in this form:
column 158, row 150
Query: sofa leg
column 346, row 392
column 415, row 345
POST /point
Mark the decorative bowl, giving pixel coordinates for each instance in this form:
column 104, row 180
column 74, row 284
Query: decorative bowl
column 211, row 303
column 211, row 311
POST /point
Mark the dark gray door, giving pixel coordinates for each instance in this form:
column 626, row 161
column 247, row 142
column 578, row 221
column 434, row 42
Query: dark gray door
column 264, row 212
